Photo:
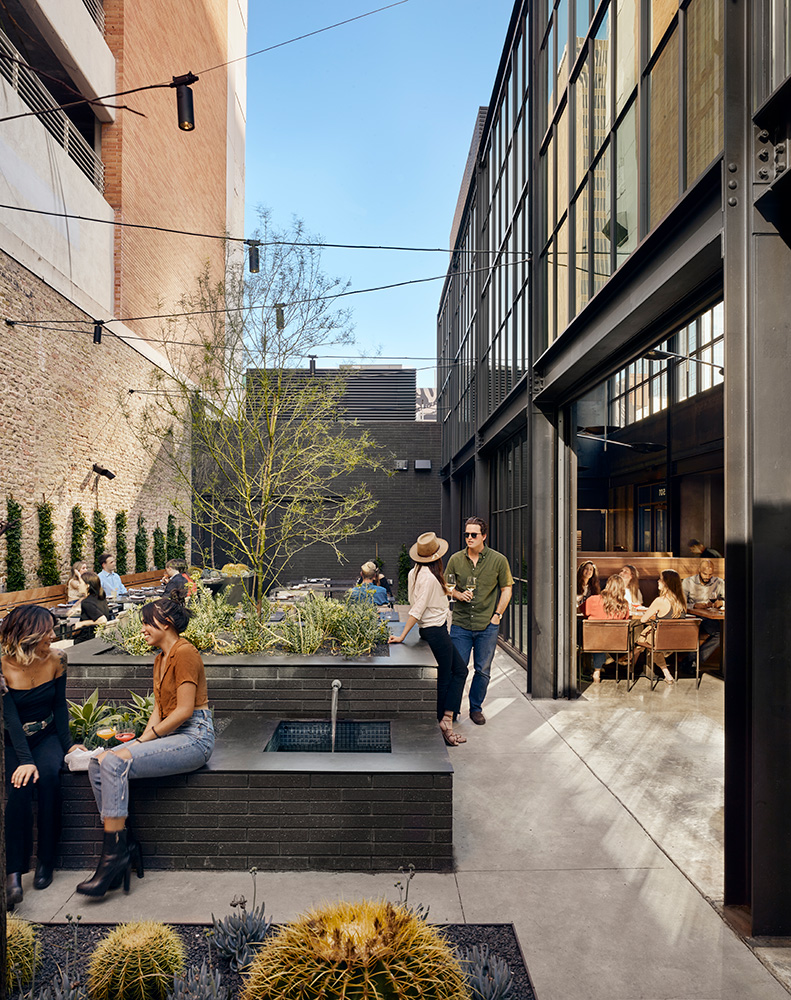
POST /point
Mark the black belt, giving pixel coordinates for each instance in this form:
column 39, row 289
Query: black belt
column 31, row 728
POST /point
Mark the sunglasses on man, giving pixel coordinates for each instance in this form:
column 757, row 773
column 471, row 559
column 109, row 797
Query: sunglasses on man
column 472, row 534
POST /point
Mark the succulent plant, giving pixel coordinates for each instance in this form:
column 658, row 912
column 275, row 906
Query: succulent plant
column 22, row 956
column 238, row 936
column 62, row 987
column 135, row 961
column 198, row 984
column 368, row 949
column 488, row 975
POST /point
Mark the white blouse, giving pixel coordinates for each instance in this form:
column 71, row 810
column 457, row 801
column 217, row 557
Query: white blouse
column 429, row 602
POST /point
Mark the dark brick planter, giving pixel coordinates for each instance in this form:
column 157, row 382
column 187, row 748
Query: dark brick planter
column 284, row 811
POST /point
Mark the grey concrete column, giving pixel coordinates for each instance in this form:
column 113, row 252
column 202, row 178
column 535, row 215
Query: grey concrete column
column 543, row 568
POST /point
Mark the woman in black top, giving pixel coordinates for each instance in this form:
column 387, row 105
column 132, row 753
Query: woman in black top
column 94, row 607
column 37, row 736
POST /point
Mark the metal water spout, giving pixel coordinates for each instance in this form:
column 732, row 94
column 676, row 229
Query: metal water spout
column 336, row 686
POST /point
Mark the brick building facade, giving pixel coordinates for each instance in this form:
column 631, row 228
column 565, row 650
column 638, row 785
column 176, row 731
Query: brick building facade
column 66, row 402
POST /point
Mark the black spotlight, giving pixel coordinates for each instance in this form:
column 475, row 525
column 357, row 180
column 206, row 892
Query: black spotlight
column 280, row 322
column 97, row 332
column 252, row 257
column 186, row 111
column 101, row 471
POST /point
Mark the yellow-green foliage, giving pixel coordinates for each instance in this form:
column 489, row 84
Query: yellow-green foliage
column 22, row 956
column 369, row 950
column 135, row 961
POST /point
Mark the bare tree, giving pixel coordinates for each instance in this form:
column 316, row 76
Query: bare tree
column 268, row 462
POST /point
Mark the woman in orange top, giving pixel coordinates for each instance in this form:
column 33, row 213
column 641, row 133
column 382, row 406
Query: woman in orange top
column 178, row 738
column 611, row 604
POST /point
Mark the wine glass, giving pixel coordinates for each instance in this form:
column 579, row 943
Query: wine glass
column 472, row 582
column 450, row 582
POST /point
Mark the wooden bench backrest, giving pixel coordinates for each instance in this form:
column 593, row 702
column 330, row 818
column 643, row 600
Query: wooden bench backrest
column 648, row 564
column 135, row 579
column 47, row 597
column 605, row 636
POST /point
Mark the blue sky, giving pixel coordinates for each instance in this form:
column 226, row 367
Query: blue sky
column 363, row 132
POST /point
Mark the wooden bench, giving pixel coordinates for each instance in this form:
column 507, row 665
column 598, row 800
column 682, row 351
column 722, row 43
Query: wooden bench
column 48, row 597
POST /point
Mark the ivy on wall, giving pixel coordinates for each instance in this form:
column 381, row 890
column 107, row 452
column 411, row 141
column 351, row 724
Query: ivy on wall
column 160, row 549
column 15, row 572
column 99, row 538
column 172, row 549
column 48, row 559
column 79, row 532
column 181, row 543
column 404, row 566
column 141, row 545
column 121, row 546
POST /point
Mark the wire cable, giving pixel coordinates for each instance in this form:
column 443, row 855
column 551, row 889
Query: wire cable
column 294, row 302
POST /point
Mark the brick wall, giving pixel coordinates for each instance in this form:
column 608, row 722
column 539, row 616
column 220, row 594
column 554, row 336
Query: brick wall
column 155, row 173
column 65, row 405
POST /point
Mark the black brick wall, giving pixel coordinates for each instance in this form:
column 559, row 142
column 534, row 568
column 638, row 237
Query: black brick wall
column 276, row 821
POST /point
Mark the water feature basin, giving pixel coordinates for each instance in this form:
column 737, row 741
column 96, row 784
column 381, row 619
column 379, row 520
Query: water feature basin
column 316, row 737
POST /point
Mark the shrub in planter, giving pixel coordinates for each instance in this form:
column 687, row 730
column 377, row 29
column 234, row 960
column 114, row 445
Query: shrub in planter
column 121, row 546
column 99, row 538
column 181, row 543
column 367, row 949
column 141, row 546
column 136, row 961
column 171, row 547
column 160, row 550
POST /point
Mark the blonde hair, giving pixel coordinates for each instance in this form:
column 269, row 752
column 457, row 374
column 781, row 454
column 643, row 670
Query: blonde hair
column 23, row 629
column 369, row 570
column 674, row 592
column 613, row 600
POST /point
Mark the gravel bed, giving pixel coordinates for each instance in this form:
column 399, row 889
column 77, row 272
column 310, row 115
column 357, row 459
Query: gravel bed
column 57, row 941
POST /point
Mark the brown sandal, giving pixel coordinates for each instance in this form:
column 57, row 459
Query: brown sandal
column 451, row 739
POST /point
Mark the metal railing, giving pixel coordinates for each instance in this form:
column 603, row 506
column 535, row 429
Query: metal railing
column 37, row 97
column 96, row 10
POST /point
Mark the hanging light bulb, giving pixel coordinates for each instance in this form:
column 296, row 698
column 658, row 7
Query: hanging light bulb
column 252, row 257
column 186, row 111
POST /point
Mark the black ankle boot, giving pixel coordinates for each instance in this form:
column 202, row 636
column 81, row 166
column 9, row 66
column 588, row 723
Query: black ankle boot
column 13, row 890
column 43, row 876
column 114, row 865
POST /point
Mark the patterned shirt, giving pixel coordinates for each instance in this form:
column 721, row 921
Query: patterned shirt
column 698, row 592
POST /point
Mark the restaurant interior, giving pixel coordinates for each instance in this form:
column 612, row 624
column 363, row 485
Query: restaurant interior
column 650, row 460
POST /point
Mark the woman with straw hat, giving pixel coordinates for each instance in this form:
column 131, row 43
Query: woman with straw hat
column 429, row 610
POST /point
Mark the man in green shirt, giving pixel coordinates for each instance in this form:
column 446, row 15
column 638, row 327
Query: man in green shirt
column 483, row 589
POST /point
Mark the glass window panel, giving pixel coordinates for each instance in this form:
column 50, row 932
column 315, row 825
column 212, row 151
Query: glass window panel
column 549, row 158
column 662, row 12
column 582, row 265
column 563, row 161
column 562, row 29
column 601, row 221
column 704, row 85
column 547, row 280
column 718, row 315
column 550, row 73
column 582, row 15
column 663, row 124
column 601, row 83
column 628, row 48
column 705, row 328
column 563, row 277
column 626, row 188
column 581, row 125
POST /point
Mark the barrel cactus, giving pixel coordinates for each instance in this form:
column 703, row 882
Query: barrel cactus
column 22, row 955
column 136, row 961
column 369, row 949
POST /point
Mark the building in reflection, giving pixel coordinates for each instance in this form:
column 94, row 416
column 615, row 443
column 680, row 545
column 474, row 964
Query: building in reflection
column 615, row 411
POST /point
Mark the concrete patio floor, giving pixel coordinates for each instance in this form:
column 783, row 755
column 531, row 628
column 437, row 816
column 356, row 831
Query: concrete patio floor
column 595, row 826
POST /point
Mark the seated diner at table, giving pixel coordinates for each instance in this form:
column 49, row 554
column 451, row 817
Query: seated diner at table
column 610, row 605
column 94, row 609
column 631, row 579
column 705, row 592
column 670, row 603
column 368, row 589
column 176, row 578
column 587, row 583
column 111, row 581
column 76, row 588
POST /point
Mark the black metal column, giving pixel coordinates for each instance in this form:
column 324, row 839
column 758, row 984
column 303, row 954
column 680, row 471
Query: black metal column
column 758, row 489
column 543, row 571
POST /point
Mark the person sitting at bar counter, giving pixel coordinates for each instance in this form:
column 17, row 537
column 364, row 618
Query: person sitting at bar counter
column 704, row 590
column 610, row 604
column 587, row 582
column 669, row 604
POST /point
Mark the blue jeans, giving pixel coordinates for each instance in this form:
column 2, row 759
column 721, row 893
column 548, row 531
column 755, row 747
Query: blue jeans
column 185, row 749
column 482, row 645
